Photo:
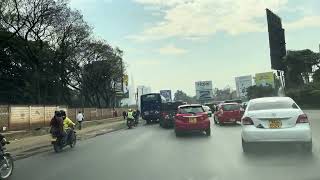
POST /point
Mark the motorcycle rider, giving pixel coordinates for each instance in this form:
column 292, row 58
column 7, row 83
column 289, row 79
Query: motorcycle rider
column 130, row 115
column 67, row 125
column 56, row 124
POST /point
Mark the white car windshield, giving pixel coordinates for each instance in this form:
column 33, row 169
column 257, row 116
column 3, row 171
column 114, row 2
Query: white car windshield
column 272, row 105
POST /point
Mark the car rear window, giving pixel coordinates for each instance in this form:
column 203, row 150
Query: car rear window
column 191, row 109
column 273, row 105
column 231, row 107
column 170, row 106
column 206, row 108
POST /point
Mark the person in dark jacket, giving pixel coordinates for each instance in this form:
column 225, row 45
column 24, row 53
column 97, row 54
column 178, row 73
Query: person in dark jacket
column 56, row 124
column 124, row 114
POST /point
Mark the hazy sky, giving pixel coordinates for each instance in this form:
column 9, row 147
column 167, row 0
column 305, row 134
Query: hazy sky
column 170, row 44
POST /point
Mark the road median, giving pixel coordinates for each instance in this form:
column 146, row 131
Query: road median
column 30, row 144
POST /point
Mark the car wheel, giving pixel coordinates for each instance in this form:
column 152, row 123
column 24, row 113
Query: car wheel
column 215, row 120
column 208, row 132
column 148, row 121
column 307, row 147
column 178, row 134
column 245, row 146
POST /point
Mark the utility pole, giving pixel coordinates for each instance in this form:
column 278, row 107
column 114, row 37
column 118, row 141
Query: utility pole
column 137, row 96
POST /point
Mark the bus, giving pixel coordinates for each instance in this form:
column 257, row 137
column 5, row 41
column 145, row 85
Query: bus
column 150, row 105
column 239, row 101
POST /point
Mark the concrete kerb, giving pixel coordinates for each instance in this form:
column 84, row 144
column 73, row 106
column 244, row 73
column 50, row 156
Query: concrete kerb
column 45, row 146
column 12, row 135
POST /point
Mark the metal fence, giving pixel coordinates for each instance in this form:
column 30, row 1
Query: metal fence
column 23, row 117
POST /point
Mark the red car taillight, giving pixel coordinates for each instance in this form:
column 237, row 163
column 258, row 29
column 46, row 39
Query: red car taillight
column 202, row 116
column 179, row 118
column 247, row 121
column 303, row 118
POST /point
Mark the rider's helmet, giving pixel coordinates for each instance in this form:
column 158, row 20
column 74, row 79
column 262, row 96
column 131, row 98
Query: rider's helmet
column 57, row 114
column 130, row 110
column 63, row 114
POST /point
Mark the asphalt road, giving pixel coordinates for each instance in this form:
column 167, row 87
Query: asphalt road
column 152, row 153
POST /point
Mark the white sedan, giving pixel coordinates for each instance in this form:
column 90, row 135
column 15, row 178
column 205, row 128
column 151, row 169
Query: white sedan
column 275, row 119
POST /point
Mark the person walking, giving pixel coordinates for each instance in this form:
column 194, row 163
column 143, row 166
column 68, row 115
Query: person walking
column 124, row 114
column 80, row 118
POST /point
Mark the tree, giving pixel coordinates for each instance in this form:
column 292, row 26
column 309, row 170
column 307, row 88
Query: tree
column 182, row 96
column 260, row 91
column 316, row 76
column 224, row 94
column 45, row 47
column 299, row 67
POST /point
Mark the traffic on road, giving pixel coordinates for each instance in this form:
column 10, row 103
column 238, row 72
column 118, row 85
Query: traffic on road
column 159, row 90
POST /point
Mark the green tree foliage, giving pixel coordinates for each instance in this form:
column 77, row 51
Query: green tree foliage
column 308, row 95
column 44, row 47
column 260, row 91
column 182, row 96
column 299, row 67
column 224, row 94
column 316, row 76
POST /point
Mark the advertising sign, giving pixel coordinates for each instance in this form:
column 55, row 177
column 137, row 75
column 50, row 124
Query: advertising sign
column 264, row 79
column 166, row 94
column 242, row 84
column 204, row 90
column 126, row 86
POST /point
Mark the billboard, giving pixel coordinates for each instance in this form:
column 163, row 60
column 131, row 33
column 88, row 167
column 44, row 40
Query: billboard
column 126, row 86
column 277, row 40
column 166, row 94
column 264, row 79
column 204, row 90
column 242, row 84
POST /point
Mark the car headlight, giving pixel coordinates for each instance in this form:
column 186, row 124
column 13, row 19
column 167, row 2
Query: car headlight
column 157, row 112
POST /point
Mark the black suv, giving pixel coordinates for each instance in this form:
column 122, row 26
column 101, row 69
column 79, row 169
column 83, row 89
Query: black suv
column 168, row 112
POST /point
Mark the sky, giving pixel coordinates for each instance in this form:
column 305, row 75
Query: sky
column 171, row 44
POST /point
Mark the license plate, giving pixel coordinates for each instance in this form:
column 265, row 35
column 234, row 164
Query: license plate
column 53, row 140
column 274, row 124
column 192, row 120
column 232, row 120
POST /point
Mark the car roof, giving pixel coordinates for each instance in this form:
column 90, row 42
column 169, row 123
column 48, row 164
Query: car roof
column 233, row 103
column 188, row 105
column 266, row 99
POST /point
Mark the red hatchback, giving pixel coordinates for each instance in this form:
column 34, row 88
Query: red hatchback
column 227, row 113
column 191, row 118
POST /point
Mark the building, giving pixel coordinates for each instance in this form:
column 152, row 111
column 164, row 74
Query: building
column 141, row 90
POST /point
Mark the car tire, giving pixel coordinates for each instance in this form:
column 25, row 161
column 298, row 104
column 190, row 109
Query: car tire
column 215, row 120
column 245, row 146
column 148, row 121
column 208, row 132
column 307, row 147
column 178, row 134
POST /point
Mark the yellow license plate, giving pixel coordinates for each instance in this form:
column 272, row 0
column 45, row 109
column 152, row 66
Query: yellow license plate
column 192, row 120
column 274, row 124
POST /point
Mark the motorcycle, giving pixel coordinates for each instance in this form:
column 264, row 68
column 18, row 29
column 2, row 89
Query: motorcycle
column 136, row 121
column 130, row 123
column 6, row 160
column 59, row 143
